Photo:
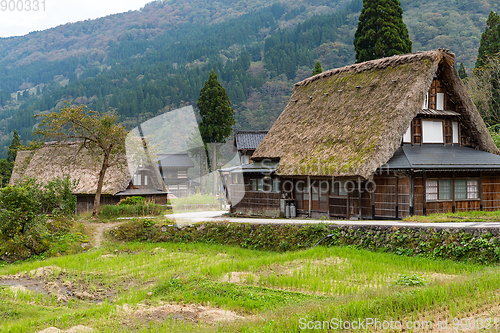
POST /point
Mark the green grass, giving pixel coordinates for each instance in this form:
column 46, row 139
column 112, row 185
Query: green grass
column 272, row 290
column 196, row 202
column 472, row 216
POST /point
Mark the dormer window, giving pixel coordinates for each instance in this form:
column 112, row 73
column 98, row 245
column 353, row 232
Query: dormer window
column 137, row 180
column 455, row 132
column 426, row 102
column 407, row 135
column 440, row 101
column 432, row 131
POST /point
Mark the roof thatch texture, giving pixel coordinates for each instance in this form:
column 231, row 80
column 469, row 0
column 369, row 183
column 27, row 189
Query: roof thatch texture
column 349, row 121
column 58, row 160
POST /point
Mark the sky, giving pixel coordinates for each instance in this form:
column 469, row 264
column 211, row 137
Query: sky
column 17, row 20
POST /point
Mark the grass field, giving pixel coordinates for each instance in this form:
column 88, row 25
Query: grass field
column 472, row 216
column 143, row 287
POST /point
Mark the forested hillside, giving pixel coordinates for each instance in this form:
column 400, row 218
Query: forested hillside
column 157, row 59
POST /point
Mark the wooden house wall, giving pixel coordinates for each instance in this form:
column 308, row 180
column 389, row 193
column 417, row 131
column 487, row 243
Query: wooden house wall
column 419, row 196
column 85, row 202
column 491, row 192
column 254, row 202
column 393, row 198
column 338, row 206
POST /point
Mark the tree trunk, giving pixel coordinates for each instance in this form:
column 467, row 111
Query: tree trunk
column 214, row 167
column 97, row 199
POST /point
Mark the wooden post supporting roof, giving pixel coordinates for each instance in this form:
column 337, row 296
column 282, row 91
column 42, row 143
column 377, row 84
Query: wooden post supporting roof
column 480, row 190
column 425, row 194
column 310, row 194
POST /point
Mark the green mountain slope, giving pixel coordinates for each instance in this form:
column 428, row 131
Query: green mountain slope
column 147, row 62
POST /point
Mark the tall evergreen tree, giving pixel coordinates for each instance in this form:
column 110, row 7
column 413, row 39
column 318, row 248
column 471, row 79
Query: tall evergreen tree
column 381, row 31
column 490, row 40
column 317, row 68
column 12, row 153
column 217, row 116
column 461, row 71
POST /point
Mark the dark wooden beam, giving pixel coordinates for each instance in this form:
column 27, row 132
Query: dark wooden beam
column 425, row 195
column 480, row 190
column 452, row 192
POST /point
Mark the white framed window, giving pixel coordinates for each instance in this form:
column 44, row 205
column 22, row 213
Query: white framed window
column 426, row 102
column 440, row 101
column 445, row 186
column 438, row 189
column 276, row 185
column 442, row 189
column 472, row 189
column 182, row 174
column 260, row 184
column 137, row 180
column 455, row 132
column 431, row 190
column 432, row 131
column 407, row 135
column 466, row 189
column 460, row 189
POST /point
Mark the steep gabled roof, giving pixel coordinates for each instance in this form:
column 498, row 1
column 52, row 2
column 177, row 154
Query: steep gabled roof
column 349, row 121
column 248, row 139
column 58, row 160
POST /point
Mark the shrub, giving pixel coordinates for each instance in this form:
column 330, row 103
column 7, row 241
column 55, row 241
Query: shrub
column 23, row 231
column 145, row 209
column 132, row 201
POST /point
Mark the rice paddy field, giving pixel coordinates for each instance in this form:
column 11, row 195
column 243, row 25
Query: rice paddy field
column 167, row 287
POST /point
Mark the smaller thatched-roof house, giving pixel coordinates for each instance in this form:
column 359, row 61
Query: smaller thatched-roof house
column 60, row 160
column 381, row 139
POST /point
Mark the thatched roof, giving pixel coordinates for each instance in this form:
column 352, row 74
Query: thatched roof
column 349, row 121
column 58, row 160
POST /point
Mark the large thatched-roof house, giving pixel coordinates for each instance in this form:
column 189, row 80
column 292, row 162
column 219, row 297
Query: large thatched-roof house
column 380, row 139
column 121, row 180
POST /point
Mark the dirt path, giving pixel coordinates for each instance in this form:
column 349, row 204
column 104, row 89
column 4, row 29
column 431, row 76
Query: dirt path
column 100, row 229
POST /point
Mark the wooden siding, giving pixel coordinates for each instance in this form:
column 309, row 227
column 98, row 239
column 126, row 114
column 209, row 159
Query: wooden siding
column 385, row 197
column 256, row 201
column 448, row 131
column 404, row 196
column 85, row 203
column 392, row 198
column 366, row 204
column 417, row 131
column 338, row 206
column 463, row 206
column 438, row 86
column 439, row 207
column 419, row 196
column 491, row 192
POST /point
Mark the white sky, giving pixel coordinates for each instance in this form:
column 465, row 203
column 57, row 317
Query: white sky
column 21, row 22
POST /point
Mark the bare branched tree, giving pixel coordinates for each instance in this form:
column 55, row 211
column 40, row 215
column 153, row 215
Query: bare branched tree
column 484, row 89
column 100, row 135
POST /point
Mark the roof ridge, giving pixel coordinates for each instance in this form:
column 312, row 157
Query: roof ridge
column 381, row 63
